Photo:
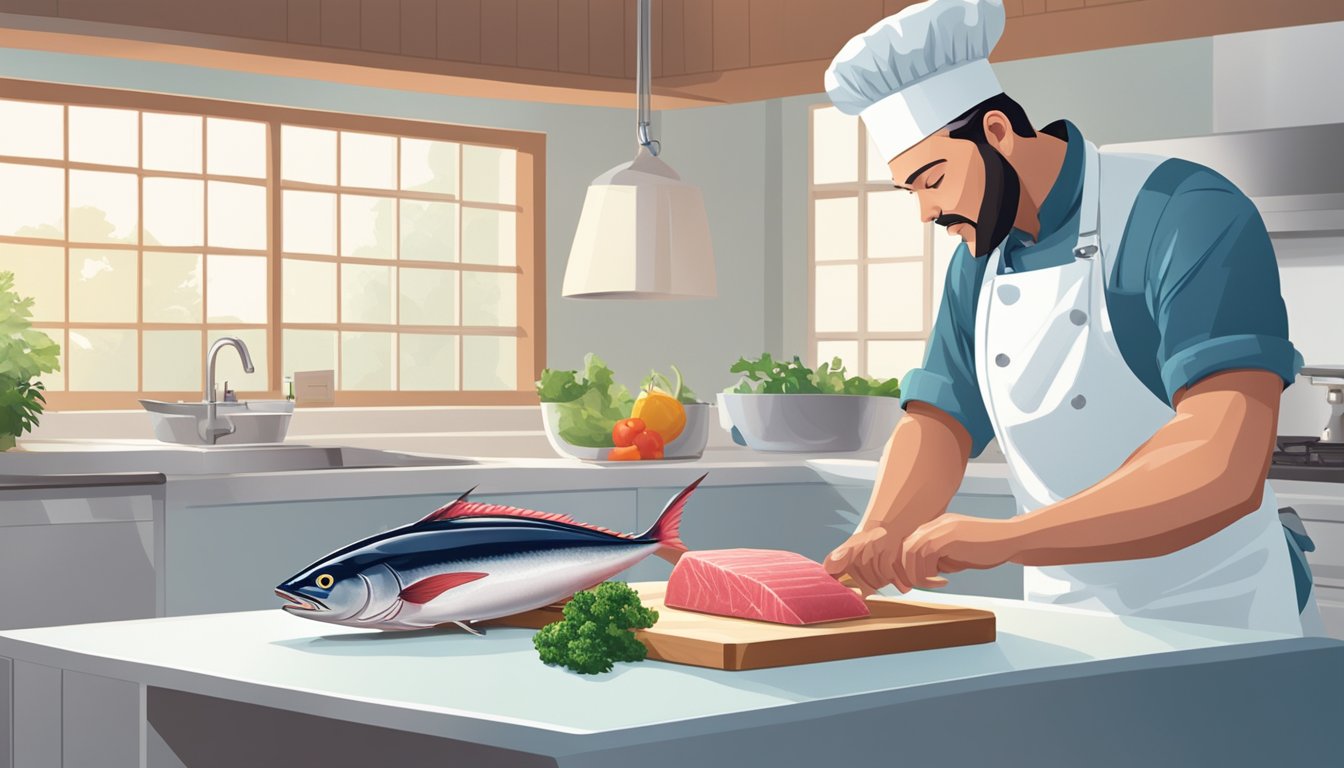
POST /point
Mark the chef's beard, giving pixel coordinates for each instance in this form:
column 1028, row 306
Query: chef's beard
column 998, row 206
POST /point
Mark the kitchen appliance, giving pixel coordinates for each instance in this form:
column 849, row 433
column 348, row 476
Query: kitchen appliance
column 1310, row 457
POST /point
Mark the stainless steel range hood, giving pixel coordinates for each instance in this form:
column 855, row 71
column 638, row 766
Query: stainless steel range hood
column 1295, row 176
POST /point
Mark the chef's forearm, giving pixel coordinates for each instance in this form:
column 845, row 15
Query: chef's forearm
column 1196, row 475
column 920, row 471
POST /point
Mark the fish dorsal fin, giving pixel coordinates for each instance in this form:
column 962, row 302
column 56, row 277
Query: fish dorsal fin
column 461, row 508
column 444, row 512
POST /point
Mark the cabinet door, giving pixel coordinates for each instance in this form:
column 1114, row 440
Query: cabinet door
column 74, row 573
column 231, row 557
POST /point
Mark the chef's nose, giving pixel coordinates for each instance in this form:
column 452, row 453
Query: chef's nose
column 929, row 212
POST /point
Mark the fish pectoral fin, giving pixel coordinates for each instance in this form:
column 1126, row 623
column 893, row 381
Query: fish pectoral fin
column 472, row 630
column 428, row 588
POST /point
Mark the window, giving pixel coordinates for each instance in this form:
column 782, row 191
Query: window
column 875, row 269
column 405, row 256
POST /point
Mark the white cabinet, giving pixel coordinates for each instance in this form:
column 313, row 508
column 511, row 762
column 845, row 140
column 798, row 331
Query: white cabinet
column 77, row 549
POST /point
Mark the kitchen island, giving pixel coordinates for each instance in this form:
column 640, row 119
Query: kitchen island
column 1058, row 687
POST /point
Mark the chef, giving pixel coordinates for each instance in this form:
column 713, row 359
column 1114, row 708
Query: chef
column 1114, row 321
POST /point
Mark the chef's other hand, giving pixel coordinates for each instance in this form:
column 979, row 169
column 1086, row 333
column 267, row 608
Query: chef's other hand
column 872, row 558
column 951, row 543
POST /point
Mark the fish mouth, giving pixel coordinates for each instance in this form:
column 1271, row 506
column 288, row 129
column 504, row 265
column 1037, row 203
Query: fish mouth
column 298, row 603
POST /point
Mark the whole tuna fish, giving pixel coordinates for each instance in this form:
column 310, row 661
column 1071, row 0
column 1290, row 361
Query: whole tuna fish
column 468, row 562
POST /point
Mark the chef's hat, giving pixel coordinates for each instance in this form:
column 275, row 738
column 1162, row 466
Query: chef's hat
column 912, row 73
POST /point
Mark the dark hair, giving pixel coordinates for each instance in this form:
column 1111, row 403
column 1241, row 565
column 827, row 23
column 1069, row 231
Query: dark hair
column 970, row 125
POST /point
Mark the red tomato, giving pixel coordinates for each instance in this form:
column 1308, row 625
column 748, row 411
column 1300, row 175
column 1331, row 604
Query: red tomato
column 624, row 453
column 650, row 444
column 623, row 434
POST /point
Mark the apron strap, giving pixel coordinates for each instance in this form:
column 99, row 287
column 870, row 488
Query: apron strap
column 1089, row 214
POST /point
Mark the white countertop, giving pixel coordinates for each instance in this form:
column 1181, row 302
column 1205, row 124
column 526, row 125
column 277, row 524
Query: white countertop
column 494, row 689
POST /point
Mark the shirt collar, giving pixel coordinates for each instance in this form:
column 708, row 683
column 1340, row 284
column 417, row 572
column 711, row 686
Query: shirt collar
column 1065, row 195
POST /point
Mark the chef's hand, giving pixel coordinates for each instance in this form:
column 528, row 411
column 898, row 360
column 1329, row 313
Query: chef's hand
column 872, row 559
column 951, row 543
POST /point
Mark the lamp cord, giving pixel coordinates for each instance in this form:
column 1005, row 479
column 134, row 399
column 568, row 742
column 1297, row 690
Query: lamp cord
column 643, row 77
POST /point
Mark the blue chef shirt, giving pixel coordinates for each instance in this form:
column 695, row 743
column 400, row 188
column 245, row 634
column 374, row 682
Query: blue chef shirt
column 1194, row 291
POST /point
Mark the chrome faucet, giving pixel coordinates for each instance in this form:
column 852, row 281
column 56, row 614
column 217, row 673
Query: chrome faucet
column 214, row 427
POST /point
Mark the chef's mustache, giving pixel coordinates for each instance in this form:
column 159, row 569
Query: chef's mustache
column 951, row 220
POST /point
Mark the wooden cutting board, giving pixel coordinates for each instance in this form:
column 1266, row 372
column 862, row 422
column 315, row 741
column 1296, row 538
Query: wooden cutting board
column 725, row 642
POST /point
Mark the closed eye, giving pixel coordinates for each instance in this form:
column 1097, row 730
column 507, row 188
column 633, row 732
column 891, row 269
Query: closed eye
column 935, row 184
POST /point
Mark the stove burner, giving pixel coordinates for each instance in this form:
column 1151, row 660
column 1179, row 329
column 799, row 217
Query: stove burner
column 1308, row 451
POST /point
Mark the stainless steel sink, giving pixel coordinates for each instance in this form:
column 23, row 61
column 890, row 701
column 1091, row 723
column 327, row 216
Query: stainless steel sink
column 75, row 457
column 252, row 421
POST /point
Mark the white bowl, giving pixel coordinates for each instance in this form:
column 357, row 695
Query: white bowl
column 690, row 444
column 810, row 423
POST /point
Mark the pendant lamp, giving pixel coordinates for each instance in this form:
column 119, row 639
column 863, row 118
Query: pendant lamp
column 643, row 233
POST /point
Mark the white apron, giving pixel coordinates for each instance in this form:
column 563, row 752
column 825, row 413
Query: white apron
column 1067, row 411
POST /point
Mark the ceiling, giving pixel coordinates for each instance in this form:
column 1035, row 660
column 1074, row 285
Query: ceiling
column 580, row 51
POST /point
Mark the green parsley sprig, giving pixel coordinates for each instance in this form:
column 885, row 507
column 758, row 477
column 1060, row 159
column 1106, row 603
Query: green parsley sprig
column 598, row 629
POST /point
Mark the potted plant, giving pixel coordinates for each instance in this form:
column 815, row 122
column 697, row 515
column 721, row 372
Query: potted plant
column 24, row 355
column 783, row 405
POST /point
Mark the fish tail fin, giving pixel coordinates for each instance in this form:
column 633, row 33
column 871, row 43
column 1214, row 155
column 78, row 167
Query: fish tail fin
column 667, row 528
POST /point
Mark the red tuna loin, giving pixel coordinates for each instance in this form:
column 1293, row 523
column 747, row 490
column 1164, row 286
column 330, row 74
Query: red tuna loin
column 763, row 584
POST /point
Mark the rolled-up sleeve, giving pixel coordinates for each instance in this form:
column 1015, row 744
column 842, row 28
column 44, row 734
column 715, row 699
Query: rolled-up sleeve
column 1213, row 287
column 947, row 378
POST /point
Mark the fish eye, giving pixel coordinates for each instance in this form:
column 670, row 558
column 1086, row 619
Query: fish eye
column 325, row 581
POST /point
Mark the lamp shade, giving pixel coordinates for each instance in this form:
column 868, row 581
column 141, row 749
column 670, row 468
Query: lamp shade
column 643, row 234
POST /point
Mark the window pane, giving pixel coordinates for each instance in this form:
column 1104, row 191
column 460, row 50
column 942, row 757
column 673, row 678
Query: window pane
column 428, row 362
column 896, row 296
column 39, row 274
column 172, row 143
column 103, row 286
column 235, row 147
column 368, row 160
column 847, row 351
column 235, row 289
column 489, row 174
column 106, row 136
column 489, row 237
column 104, row 207
column 428, row 231
column 310, row 222
column 309, row 292
column 890, row 358
column 837, row 228
column 366, row 294
column 894, row 228
column 366, row 361
column 55, row 381
column 878, row 170
column 103, row 360
column 836, row 297
column 173, row 361
column 368, row 227
column 308, row 351
column 32, row 201
column 429, row 166
column 174, row 212
column 835, row 146
column 489, row 298
column 428, row 297
column 307, row 154
column 172, row 287
column 229, row 365
column 489, row 362
column 237, row 215
column 29, row 129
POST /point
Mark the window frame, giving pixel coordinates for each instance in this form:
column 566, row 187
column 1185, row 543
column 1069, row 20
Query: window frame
column 858, row 189
column 530, row 206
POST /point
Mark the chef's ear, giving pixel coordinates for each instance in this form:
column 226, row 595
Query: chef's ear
column 999, row 132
